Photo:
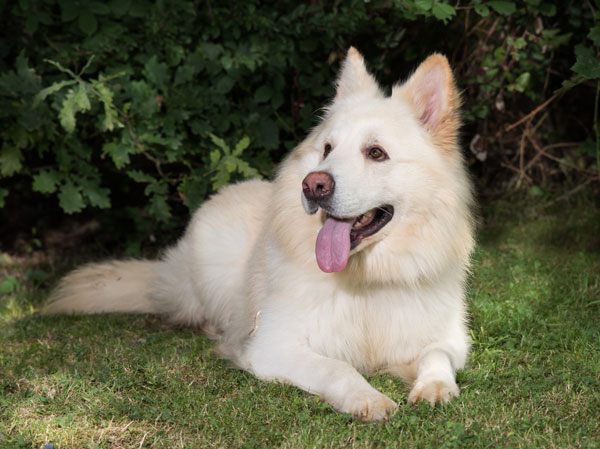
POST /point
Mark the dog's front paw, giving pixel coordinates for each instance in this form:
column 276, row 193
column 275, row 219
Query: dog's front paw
column 433, row 391
column 370, row 406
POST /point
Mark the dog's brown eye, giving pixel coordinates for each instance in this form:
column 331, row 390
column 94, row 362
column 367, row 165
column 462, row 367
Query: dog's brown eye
column 326, row 150
column 376, row 153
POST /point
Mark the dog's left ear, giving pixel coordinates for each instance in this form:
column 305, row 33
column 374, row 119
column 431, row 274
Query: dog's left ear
column 432, row 93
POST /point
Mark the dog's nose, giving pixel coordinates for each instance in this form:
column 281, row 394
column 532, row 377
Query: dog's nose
column 318, row 186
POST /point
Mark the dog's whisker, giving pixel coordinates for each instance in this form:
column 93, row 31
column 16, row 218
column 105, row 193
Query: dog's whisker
column 384, row 210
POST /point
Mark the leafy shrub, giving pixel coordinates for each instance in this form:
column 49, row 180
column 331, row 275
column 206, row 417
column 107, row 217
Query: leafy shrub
column 142, row 107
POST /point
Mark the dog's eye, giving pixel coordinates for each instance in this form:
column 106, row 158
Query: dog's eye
column 326, row 150
column 376, row 153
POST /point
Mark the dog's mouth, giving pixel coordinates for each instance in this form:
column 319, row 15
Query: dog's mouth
column 339, row 236
column 369, row 223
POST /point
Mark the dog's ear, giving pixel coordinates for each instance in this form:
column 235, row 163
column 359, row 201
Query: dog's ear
column 354, row 77
column 432, row 93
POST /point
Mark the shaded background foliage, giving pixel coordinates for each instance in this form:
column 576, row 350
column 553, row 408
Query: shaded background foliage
column 133, row 112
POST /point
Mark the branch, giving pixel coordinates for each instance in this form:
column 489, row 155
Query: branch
column 141, row 148
column 532, row 113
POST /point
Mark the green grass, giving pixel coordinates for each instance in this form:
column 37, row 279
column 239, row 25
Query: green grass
column 533, row 377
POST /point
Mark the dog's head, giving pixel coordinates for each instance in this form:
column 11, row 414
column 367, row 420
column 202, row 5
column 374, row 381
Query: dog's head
column 383, row 162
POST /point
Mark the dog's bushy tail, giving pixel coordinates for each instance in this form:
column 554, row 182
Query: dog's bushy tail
column 116, row 286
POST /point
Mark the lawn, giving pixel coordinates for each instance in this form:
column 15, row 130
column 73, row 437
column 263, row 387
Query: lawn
column 533, row 379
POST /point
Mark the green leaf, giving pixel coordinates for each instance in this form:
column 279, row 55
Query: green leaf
column 99, row 8
column 158, row 206
column 229, row 163
column 210, row 51
column 267, row 134
column 111, row 115
column 215, row 157
column 277, row 100
column 42, row 94
column 144, row 98
column 443, row 11
column 241, row 146
column 263, row 94
column 3, row 195
column 10, row 160
column 548, row 9
column 8, row 285
column 59, row 66
column 226, row 62
column 220, row 143
column 139, row 176
column 70, row 199
column 119, row 7
column 594, row 35
column 521, row 83
column 482, row 10
column 587, row 63
column 119, row 153
column 32, row 22
column 185, row 73
column 69, row 10
column 554, row 39
column 81, row 99
column 220, row 179
column 66, row 115
column 519, row 43
column 157, row 73
column 535, row 191
column 193, row 191
column 502, row 7
column 245, row 169
column 87, row 22
column 224, row 85
column 46, row 181
column 425, row 5
column 97, row 196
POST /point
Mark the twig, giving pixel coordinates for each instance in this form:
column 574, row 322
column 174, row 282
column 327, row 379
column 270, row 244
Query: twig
column 141, row 148
column 143, row 439
column 522, row 154
column 532, row 113
column 531, row 132
column 561, row 145
column 515, row 169
column 597, row 128
column 549, row 147
column 557, row 159
column 572, row 191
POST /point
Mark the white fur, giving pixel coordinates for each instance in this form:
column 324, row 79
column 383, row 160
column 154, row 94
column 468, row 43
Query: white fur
column 246, row 268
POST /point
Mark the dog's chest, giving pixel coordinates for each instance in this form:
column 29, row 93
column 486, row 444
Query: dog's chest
column 373, row 331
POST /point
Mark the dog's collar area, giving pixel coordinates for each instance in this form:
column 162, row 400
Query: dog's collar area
column 369, row 223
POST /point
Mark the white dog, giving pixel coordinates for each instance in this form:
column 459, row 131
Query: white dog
column 352, row 261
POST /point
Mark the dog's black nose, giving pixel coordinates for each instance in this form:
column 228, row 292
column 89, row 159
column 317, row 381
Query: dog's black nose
column 318, row 186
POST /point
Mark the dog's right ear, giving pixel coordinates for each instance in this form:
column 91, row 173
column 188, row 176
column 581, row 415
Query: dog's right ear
column 354, row 77
column 431, row 92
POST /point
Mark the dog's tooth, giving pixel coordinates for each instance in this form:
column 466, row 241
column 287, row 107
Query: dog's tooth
column 362, row 219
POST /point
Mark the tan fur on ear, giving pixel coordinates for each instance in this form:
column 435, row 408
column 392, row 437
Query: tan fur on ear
column 354, row 77
column 432, row 92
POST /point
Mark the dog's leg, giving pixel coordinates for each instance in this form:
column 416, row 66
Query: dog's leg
column 334, row 381
column 435, row 378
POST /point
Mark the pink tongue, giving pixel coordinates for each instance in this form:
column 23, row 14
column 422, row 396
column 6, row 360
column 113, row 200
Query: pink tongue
column 333, row 245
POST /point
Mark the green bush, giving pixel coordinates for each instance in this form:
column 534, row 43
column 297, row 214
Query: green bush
column 145, row 108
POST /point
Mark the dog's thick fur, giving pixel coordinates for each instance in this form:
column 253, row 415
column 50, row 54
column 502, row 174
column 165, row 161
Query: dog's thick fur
column 245, row 270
